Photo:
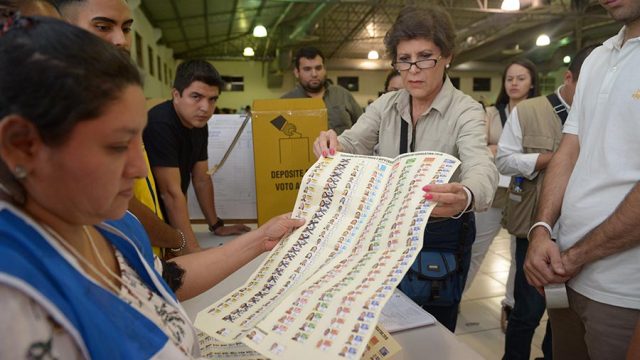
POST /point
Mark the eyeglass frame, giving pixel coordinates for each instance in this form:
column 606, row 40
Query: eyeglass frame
column 412, row 63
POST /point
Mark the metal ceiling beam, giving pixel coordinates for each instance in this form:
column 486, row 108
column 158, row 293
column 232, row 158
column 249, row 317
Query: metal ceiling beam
column 337, row 33
column 257, row 15
column 355, row 29
column 185, row 54
column 305, row 24
column 216, row 13
column 274, row 28
column 179, row 20
column 233, row 18
column 484, row 49
column 206, row 19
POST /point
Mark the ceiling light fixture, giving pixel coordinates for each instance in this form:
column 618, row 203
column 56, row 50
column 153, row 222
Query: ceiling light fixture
column 543, row 40
column 248, row 51
column 510, row 5
column 566, row 59
column 373, row 55
column 371, row 29
column 259, row 31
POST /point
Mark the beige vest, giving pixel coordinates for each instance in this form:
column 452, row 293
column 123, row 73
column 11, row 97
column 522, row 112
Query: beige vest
column 541, row 133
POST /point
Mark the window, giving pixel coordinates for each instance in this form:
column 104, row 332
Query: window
column 348, row 82
column 233, row 83
column 166, row 74
column 481, row 84
column 139, row 59
column 150, row 53
column 159, row 69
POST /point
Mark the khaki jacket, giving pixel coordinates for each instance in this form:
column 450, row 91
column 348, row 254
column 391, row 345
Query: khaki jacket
column 541, row 133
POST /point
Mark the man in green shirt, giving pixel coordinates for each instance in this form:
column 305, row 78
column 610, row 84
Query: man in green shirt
column 342, row 108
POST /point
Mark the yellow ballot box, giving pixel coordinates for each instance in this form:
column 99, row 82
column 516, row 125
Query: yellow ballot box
column 283, row 135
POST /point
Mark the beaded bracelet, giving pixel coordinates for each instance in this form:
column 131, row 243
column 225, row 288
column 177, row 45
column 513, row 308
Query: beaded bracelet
column 183, row 242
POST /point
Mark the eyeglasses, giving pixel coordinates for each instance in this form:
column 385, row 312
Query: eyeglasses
column 420, row 64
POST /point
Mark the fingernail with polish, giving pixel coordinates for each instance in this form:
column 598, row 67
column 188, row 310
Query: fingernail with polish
column 426, row 188
column 324, row 153
column 332, row 151
column 428, row 196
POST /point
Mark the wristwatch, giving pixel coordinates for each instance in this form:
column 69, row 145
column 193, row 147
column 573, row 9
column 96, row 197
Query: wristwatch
column 218, row 224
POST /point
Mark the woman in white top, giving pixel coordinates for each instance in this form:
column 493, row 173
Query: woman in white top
column 519, row 82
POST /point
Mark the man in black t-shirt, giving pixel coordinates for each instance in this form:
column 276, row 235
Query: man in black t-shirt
column 176, row 141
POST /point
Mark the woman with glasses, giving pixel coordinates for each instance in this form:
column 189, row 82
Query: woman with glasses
column 429, row 114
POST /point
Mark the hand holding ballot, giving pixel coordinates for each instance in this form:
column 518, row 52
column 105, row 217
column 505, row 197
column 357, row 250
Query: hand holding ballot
column 453, row 199
column 326, row 144
column 277, row 228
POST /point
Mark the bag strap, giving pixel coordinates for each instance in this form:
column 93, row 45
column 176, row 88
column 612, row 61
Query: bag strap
column 404, row 134
column 558, row 107
column 503, row 113
column 463, row 235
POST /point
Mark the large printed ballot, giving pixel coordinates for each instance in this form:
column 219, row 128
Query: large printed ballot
column 283, row 135
column 320, row 292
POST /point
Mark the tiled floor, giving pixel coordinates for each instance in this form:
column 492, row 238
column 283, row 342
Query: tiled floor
column 479, row 318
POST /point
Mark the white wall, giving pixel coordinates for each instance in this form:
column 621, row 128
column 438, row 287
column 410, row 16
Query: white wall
column 153, row 86
column 255, row 83
column 466, row 85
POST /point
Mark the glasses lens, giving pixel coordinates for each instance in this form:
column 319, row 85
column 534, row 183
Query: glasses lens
column 401, row 66
column 426, row 64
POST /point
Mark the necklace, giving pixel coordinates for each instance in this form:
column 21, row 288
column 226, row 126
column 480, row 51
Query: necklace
column 109, row 282
column 124, row 284
column 160, row 320
column 97, row 253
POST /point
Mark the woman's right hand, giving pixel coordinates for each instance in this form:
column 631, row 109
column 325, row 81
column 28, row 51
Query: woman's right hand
column 326, row 144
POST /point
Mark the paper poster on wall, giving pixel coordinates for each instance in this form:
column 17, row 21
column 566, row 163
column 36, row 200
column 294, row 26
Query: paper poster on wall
column 234, row 182
column 320, row 292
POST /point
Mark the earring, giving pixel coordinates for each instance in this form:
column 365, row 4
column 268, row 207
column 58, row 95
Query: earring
column 5, row 190
column 20, row 172
column 448, row 65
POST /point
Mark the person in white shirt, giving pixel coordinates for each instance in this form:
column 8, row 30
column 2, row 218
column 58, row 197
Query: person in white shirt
column 531, row 135
column 519, row 82
column 591, row 189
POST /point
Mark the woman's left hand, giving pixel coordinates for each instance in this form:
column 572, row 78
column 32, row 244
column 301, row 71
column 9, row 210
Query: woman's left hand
column 276, row 228
column 451, row 198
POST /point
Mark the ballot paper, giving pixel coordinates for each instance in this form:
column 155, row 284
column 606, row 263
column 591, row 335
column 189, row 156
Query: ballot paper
column 381, row 346
column 401, row 313
column 320, row 292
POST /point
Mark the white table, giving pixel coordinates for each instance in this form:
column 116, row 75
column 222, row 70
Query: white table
column 429, row 342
